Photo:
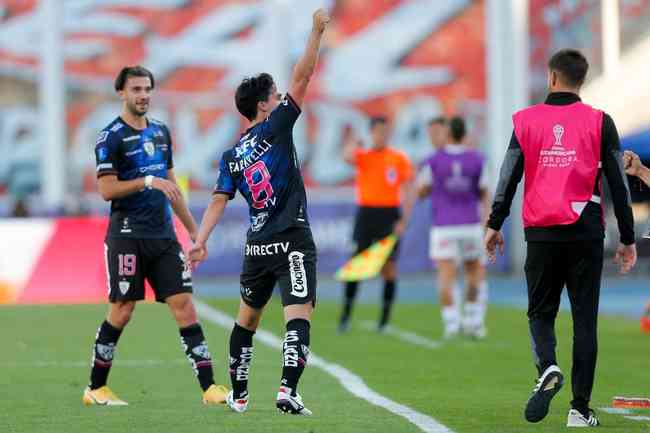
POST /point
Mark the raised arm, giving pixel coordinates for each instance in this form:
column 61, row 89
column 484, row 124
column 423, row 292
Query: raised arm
column 350, row 149
column 305, row 67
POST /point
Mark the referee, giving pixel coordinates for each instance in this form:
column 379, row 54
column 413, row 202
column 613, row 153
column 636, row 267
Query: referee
column 384, row 178
column 563, row 148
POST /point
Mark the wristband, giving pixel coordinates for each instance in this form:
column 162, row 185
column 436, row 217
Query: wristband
column 148, row 181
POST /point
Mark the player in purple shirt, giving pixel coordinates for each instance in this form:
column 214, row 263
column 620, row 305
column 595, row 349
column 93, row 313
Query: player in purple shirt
column 455, row 178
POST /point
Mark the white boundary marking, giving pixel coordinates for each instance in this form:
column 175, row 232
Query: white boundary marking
column 350, row 381
column 87, row 364
column 625, row 413
column 616, row 410
column 637, row 417
column 409, row 337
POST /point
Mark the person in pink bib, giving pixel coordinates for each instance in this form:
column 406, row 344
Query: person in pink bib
column 564, row 147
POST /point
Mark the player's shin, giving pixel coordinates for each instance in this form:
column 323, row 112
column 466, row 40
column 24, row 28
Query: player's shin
column 196, row 350
column 241, row 355
column 296, row 351
column 103, row 350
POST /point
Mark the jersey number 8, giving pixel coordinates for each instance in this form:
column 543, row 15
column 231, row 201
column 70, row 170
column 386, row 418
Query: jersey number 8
column 262, row 190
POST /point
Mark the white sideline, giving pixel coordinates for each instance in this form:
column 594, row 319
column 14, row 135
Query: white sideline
column 408, row 336
column 350, row 381
column 86, row 364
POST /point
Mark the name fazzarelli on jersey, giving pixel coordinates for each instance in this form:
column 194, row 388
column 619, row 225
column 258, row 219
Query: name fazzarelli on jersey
column 264, row 168
column 129, row 153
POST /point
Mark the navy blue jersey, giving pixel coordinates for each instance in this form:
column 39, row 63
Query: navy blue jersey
column 130, row 153
column 264, row 168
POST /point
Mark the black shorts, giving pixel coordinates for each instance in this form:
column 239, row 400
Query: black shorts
column 373, row 224
column 288, row 259
column 160, row 261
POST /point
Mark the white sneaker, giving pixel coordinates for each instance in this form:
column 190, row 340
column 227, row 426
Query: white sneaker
column 240, row 405
column 451, row 332
column 286, row 403
column 477, row 332
column 576, row 419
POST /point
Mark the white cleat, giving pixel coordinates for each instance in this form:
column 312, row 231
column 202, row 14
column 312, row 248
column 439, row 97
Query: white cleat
column 240, row 405
column 576, row 419
column 286, row 403
column 450, row 333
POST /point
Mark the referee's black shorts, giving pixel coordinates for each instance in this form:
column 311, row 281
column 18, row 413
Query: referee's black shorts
column 373, row 224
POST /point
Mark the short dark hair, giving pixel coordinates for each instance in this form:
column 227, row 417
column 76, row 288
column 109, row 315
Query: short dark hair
column 251, row 91
column 377, row 120
column 571, row 65
column 457, row 128
column 440, row 120
column 132, row 71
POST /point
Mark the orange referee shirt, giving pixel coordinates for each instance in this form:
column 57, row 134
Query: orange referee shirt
column 380, row 174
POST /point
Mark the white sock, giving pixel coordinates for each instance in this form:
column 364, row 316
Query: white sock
column 482, row 300
column 451, row 319
column 457, row 296
column 471, row 315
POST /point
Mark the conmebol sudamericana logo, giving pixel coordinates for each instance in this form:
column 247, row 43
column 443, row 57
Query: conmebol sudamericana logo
column 558, row 131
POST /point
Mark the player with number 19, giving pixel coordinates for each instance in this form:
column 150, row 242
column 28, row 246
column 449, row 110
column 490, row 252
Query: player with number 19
column 135, row 173
column 263, row 167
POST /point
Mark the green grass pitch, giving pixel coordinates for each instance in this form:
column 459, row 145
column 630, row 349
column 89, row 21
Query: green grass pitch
column 471, row 387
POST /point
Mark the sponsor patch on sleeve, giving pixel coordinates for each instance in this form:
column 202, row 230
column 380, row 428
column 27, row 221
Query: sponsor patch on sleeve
column 102, row 137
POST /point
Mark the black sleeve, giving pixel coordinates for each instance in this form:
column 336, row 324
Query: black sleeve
column 612, row 161
column 284, row 116
column 510, row 175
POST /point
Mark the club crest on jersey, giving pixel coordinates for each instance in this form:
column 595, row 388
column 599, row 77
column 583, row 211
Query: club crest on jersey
column 149, row 148
column 391, row 175
column 124, row 287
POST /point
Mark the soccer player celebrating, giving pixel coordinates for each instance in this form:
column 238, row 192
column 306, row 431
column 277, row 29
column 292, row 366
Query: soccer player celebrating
column 263, row 167
column 135, row 172
column 384, row 177
column 458, row 187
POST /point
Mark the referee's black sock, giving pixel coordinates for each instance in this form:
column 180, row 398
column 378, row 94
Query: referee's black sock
column 295, row 350
column 241, row 354
column 350, row 293
column 196, row 350
column 103, row 350
column 389, row 296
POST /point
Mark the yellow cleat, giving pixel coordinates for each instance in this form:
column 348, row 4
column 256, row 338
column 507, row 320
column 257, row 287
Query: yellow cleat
column 216, row 394
column 102, row 397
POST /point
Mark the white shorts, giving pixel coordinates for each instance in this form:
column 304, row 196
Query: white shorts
column 461, row 243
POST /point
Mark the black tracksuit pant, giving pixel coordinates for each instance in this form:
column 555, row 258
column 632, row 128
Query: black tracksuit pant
column 549, row 267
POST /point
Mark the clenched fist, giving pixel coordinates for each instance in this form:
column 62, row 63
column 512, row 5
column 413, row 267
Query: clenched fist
column 632, row 163
column 321, row 19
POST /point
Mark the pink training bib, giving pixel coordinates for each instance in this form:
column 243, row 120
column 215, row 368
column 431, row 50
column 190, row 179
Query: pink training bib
column 561, row 146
